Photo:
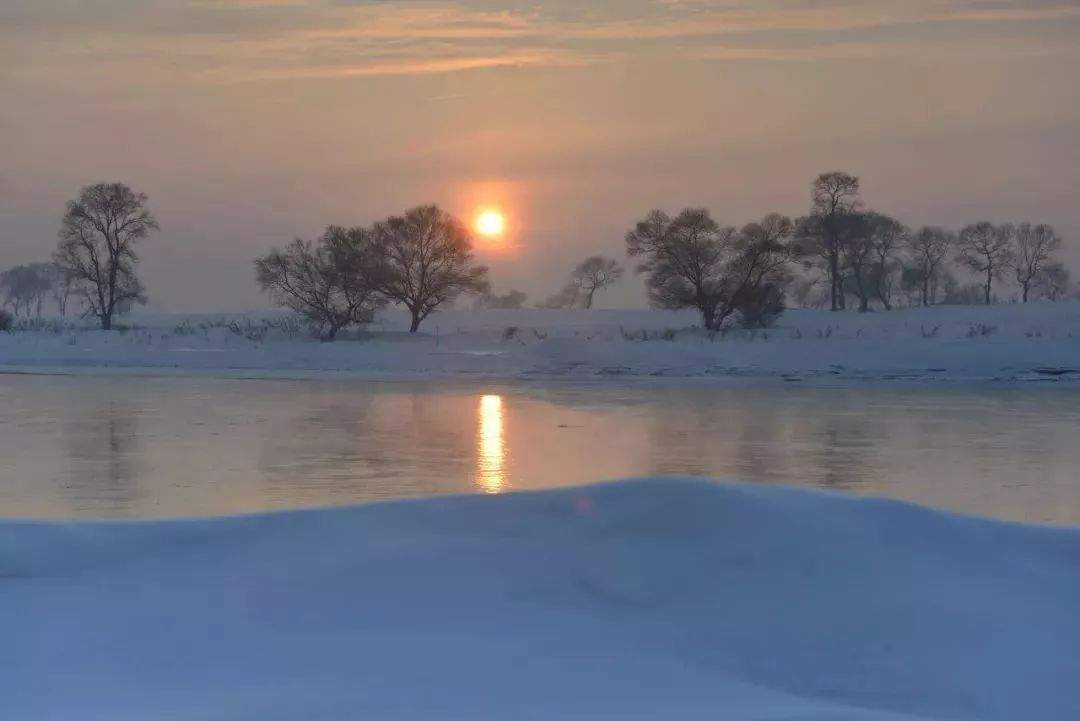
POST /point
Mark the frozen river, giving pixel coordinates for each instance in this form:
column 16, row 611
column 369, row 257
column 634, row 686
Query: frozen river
column 136, row 447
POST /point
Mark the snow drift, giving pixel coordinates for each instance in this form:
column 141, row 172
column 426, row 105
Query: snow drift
column 653, row 599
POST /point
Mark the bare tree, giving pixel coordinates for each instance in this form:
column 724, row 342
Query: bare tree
column 1034, row 249
column 927, row 249
column 692, row 262
column 25, row 287
column 887, row 235
column 592, row 275
column 427, row 260
column 987, row 249
column 331, row 282
column 855, row 241
column 1052, row 282
column 98, row 235
column 834, row 197
column 62, row 282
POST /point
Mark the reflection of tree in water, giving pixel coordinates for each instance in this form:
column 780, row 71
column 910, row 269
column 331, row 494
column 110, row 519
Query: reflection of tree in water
column 843, row 442
column 102, row 448
column 366, row 445
column 800, row 437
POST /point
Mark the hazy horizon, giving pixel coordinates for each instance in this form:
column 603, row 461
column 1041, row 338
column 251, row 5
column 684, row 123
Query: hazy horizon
column 251, row 122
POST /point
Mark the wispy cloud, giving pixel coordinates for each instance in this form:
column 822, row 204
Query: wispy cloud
column 265, row 40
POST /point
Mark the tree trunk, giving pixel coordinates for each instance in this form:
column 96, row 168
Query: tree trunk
column 415, row 325
column 926, row 290
column 834, row 283
column 106, row 321
column 708, row 314
column 989, row 280
column 1025, row 292
column 883, row 298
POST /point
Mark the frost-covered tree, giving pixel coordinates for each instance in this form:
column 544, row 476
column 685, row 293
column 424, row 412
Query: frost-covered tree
column 854, row 238
column 986, row 249
column 927, row 249
column 887, row 236
column 61, row 284
column 690, row 261
column 1052, row 282
column 426, row 261
column 25, row 287
column 592, row 275
column 834, row 198
column 332, row 282
column 98, row 236
column 1034, row 250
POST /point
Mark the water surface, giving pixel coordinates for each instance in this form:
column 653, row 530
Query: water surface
column 133, row 447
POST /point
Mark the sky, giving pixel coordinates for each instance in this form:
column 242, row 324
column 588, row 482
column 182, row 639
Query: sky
column 251, row 122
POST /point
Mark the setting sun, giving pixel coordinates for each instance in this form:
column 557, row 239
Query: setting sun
column 490, row 223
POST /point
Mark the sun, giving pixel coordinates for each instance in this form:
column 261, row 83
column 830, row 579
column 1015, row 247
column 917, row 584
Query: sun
column 491, row 223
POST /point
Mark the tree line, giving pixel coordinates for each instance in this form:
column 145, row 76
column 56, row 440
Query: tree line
column 841, row 249
column 871, row 257
column 839, row 254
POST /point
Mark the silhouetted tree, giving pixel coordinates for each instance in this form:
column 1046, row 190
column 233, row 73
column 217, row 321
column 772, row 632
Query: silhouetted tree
column 1034, row 249
column 61, row 283
column 690, row 261
column 98, row 235
column 332, row 282
column 25, row 287
column 887, row 235
column 592, row 275
column 834, row 197
column 987, row 249
column 427, row 260
column 927, row 249
column 854, row 238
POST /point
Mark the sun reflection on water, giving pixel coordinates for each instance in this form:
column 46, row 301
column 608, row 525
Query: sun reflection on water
column 491, row 448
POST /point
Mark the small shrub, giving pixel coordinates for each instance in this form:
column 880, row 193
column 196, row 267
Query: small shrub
column 6, row 320
column 981, row 330
column 184, row 328
column 510, row 333
column 929, row 333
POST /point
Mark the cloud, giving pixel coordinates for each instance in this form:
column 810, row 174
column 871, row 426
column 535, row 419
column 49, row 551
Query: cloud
column 267, row 40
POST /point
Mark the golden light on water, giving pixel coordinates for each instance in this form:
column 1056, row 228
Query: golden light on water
column 491, row 223
column 491, row 446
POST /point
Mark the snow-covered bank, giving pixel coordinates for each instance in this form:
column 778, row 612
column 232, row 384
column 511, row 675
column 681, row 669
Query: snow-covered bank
column 1040, row 341
column 658, row 599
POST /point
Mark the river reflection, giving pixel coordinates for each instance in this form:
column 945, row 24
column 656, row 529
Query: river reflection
column 150, row 447
column 491, row 448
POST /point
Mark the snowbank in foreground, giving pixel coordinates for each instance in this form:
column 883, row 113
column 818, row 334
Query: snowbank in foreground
column 1039, row 341
column 658, row 599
